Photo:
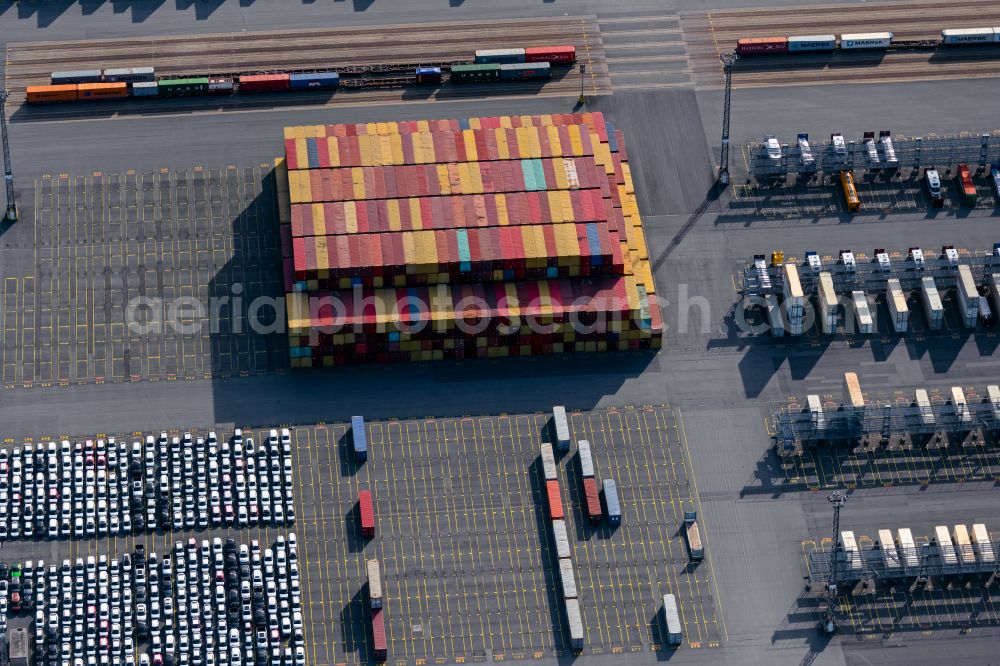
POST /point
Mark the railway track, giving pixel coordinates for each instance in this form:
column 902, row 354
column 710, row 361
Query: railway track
column 324, row 48
column 708, row 34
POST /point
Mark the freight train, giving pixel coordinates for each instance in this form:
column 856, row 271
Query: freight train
column 752, row 46
column 520, row 64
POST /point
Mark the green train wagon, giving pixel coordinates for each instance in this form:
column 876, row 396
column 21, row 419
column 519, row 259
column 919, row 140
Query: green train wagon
column 183, row 87
column 475, row 73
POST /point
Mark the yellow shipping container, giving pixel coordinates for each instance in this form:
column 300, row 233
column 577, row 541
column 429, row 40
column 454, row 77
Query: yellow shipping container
column 409, row 252
column 567, row 205
column 444, row 179
column 301, row 154
column 464, row 179
column 294, row 189
column 396, row 147
column 554, row 144
column 502, row 219
column 392, row 127
column 386, row 145
column 471, row 154
column 322, row 252
column 381, row 129
column 358, row 180
column 476, row 175
column 365, row 148
column 319, row 219
column 350, row 217
column 535, row 144
column 423, row 126
column 602, row 153
column 523, row 142
column 474, row 123
column 415, row 219
column 627, row 176
column 505, row 122
column 371, row 128
column 503, row 150
column 427, row 146
column 576, row 142
column 417, row 144
column 289, row 133
column 392, row 206
column 333, row 149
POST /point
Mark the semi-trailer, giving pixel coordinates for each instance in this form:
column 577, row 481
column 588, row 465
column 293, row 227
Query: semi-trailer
column 593, row 500
column 360, row 438
column 983, row 545
column 895, row 299
column 827, row 303
column 963, row 545
column 907, row 547
column 614, row 509
column 561, row 537
column 862, row 313
column 850, row 546
column 568, row 578
column 794, row 299
column 693, row 534
column 554, row 499
column 933, row 309
column 961, row 405
column 380, row 649
column 816, row 414
column 890, row 556
column 374, row 584
column 993, row 396
column 853, row 397
column 672, row 618
column 367, row 514
column 774, row 318
column 968, row 297
column 561, row 426
column 586, row 460
column 923, row 401
column 575, row 621
column 946, row 549
column 548, row 462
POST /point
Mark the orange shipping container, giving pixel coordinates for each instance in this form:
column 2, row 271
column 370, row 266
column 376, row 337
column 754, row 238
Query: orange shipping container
column 89, row 91
column 48, row 94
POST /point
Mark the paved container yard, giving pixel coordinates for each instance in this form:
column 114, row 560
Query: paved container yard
column 461, row 531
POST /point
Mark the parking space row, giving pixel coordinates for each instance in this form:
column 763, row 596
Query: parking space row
column 106, row 239
column 101, row 488
column 197, row 605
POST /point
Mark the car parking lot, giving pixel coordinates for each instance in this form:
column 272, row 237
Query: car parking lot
column 461, row 534
column 196, row 604
column 101, row 488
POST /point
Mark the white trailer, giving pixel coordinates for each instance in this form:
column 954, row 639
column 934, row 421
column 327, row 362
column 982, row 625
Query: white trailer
column 575, row 621
column 561, row 427
column 907, row 548
column 866, row 40
column 568, row 578
column 586, row 460
column 968, row 296
column 959, row 36
column 816, row 412
column 963, row 545
column 932, row 303
column 896, row 300
column 850, row 546
column 852, row 391
column 945, row 547
column 561, row 538
column 924, row 405
column 960, row 405
column 994, row 289
column 675, row 633
column 827, row 303
column 983, row 545
column 993, row 395
column 548, row 462
column 374, row 584
column 774, row 318
column 890, row 556
column 862, row 313
column 794, row 299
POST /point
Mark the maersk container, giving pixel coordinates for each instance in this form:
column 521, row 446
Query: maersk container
column 968, row 296
column 525, row 71
column 586, row 461
column 499, row 56
column 890, row 557
column 360, row 438
column 568, row 578
column 774, row 318
column 78, row 76
column 932, row 304
column 561, row 426
column 129, row 75
column 946, row 549
column 895, row 299
column 613, row 507
column 374, row 584
column 827, row 303
column 316, row 80
column 548, row 463
column 672, row 618
column 959, row 36
column 983, row 545
column 575, row 622
column 862, row 313
column 866, row 40
column 145, row 89
column 812, row 43
column 561, row 537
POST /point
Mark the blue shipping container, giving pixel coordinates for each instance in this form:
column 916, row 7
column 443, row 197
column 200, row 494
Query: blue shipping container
column 145, row 89
column 314, row 80
column 428, row 75
column 611, row 502
column 360, row 438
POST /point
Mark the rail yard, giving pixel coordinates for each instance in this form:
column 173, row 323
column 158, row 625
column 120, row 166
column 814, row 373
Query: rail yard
column 355, row 333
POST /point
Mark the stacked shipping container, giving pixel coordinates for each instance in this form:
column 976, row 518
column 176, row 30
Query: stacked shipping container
column 398, row 238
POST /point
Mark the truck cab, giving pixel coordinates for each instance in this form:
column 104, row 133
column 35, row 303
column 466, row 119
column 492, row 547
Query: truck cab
column 773, row 148
column 932, row 180
column 695, row 549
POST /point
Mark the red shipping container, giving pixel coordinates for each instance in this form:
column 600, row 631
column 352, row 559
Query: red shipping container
column 557, row 55
column 263, row 83
column 554, row 498
column 380, row 650
column 594, row 512
column 762, row 45
column 367, row 514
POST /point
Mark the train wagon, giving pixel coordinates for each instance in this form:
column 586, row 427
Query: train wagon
column 130, row 75
column 183, row 87
column 221, row 86
column 145, row 89
column 264, row 83
column 525, row 71
column 51, row 94
column 804, row 43
column 499, row 56
column 555, row 55
column 99, row 91
column 314, row 81
column 762, row 46
column 960, row 36
column 474, row 73
column 865, row 41
column 78, row 76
